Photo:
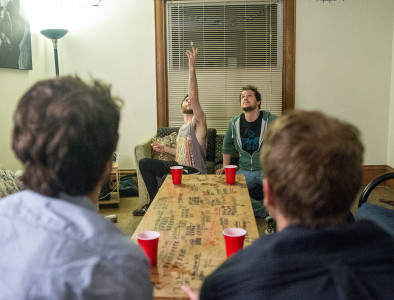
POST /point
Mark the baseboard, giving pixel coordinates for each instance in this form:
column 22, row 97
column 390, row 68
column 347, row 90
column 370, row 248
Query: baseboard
column 373, row 171
column 389, row 169
column 390, row 183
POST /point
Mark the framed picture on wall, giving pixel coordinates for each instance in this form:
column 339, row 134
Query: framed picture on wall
column 15, row 38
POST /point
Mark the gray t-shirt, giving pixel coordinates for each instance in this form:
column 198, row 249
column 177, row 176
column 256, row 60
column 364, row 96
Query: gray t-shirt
column 189, row 152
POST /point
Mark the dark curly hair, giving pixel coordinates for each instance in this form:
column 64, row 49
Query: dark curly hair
column 187, row 95
column 65, row 132
column 251, row 88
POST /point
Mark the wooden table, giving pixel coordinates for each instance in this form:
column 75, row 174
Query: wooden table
column 190, row 218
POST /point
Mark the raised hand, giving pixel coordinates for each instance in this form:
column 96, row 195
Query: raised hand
column 192, row 55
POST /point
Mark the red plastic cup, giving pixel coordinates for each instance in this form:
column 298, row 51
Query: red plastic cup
column 149, row 240
column 176, row 173
column 230, row 171
column 234, row 239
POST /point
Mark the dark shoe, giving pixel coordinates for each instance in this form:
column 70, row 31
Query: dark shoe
column 271, row 226
column 141, row 211
column 112, row 218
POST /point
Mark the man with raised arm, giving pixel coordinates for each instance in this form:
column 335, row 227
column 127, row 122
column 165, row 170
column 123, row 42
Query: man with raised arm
column 191, row 143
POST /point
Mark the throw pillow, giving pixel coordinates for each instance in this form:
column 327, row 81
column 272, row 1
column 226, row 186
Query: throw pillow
column 169, row 141
column 7, row 182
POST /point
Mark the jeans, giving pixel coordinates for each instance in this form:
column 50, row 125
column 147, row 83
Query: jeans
column 152, row 168
column 253, row 179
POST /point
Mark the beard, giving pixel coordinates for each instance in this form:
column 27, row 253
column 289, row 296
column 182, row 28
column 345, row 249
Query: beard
column 249, row 108
column 187, row 111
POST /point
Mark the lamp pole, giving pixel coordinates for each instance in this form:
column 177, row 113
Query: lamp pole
column 54, row 35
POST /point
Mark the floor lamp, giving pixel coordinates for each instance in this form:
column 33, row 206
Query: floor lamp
column 54, row 35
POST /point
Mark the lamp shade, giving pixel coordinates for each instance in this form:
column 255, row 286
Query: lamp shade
column 54, row 33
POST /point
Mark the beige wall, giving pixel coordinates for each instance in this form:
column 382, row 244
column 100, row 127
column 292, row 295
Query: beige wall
column 344, row 53
column 343, row 65
column 13, row 83
column 121, row 50
column 116, row 45
column 390, row 151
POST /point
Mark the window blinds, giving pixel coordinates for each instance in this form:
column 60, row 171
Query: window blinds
column 239, row 42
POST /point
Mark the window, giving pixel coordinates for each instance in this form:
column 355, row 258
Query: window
column 239, row 43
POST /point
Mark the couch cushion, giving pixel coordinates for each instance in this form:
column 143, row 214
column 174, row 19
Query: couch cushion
column 211, row 144
column 210, row 167
column 169, row 141
column 164, row 131
column 219, row 149
column 7, row 182
column 219, row 152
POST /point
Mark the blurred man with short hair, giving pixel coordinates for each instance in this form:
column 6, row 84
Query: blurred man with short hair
column 313, row 170
column 54, row 243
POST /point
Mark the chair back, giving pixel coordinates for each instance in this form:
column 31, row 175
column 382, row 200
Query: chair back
column 373, row 184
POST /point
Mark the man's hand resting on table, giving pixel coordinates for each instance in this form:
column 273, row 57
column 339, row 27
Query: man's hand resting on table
column 220, row 171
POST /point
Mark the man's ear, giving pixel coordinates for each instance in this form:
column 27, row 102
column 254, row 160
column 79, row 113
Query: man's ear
column 108, row 166
column 106, row 172
column 269, row 199
column 268, row 195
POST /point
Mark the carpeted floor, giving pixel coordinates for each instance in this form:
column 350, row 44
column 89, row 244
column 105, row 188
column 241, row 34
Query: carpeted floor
column 382, row 195
column 124, row 212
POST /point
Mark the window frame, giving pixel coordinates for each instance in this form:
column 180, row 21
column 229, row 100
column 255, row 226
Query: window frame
column 288, row 75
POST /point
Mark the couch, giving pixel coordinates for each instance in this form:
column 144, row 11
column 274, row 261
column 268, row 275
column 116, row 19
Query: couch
column 10, row 182
column 167, row 135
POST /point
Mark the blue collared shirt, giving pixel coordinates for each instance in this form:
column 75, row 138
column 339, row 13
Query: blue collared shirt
column 62, row 248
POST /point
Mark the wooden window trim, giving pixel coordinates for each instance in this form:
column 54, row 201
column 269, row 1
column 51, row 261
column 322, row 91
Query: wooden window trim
column 288, row 79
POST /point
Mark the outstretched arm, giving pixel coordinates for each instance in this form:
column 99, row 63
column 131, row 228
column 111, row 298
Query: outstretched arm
column 199, row 115
column 193, row 88
column 226, row 161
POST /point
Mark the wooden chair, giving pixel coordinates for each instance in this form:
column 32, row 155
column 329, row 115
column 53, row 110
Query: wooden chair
column 380, row 215
column 373, row 184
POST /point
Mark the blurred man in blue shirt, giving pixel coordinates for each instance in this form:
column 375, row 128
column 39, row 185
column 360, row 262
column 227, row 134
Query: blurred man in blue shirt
column 54, row 243
column 313, row 171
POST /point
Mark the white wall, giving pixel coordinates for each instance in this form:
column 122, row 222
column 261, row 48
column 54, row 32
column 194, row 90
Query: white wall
column 344, row 53
column 117, row 45
column 120, row 49
column 390, row 150
column 13, row 84
column 343, row 65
